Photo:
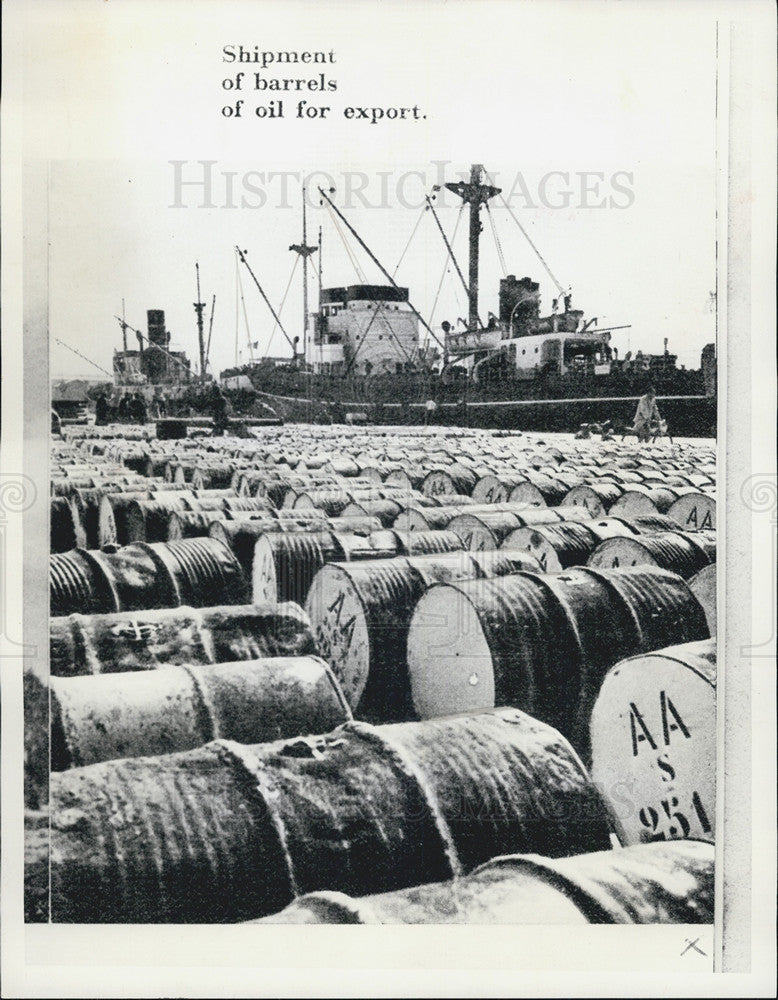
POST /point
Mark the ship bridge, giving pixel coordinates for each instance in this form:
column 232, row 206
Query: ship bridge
column 362, row 329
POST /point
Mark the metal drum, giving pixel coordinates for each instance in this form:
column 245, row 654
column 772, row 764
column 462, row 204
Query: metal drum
column 284, row 564
column 669, row 549
column 231, row 832
column 653, row 740
column 67, row 528
column 670, row 883
column 204, row 571
column 555, row 546
column 147, row 640
column 542, row 643
column 694, row 512
column 142, row 714
column 703, row 586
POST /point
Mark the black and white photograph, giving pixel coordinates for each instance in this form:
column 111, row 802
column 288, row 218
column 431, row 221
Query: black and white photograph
column 388, row 498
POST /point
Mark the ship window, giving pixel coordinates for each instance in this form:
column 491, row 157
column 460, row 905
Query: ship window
column 523, row 351
column 536, row 350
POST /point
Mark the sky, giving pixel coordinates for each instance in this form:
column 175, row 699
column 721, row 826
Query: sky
column 597, row 120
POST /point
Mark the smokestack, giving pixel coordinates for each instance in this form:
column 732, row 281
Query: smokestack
column 156, row 327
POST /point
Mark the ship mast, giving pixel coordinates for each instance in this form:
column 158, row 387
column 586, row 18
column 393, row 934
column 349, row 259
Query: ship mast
column 198, row 307
column 304, row 251
column 474, row 194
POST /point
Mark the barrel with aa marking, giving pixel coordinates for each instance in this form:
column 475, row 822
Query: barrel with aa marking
column 360, row 614
column 653, row 732
column 671, row 550
column 134, row 840
column 164, row 711
column 496, row 489
column 541, row 643
column 659, row 883
column 694, row 512
column 555, row 546
column 426, row 518
column 597, row 498
column 485, row 530
column 147, row 640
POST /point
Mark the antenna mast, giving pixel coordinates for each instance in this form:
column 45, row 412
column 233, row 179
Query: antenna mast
column 304, row 251
column 198, row 307
column 474, row 194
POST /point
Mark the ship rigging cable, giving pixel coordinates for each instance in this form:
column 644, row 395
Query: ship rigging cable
column 245, row 318
column 445, row 269
column 527, row 237
column 283, row 303
column 242, row 256
column 410, row 240
column 354, row 263
column 93, row 363
column 497, row 243
column 448, row 244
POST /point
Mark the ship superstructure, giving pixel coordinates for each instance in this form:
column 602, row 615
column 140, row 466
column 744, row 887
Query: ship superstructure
column 362, row 329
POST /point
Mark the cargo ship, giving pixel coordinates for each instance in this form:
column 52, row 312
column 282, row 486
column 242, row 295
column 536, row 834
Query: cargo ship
column 366, row 353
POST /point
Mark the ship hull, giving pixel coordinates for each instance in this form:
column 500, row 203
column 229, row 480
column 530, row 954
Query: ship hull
column 686, row 416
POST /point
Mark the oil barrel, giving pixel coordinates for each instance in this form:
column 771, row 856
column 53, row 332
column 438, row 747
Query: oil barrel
column 653, row 740
column 146, row 640
column 555, row 546
column 597, row 498
column 77, row 583
column 671, row 550
column 424, row 543
column 230, row 832
column 496, row 488
column 284, row 564
column 410, row 477
column 204, row 571
column 385, row 510
column 527, row 493
column 703, row 586
column 97, row 517
column 192, row 524
column 485, row 530
column 361, row 613
column 136, row 581
column 659, row 883
column 541, row 643
column 644, row 500
column 694, row 512
column 213, row 477
column 67, row 530
column 153, row 712
column 149, row 520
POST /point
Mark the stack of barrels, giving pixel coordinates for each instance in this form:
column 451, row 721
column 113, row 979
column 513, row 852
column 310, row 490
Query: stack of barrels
column 409, row 675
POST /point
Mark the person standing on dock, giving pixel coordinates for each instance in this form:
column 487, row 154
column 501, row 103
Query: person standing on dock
column 219, row 411
column 101, row 410
column 646, row 415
